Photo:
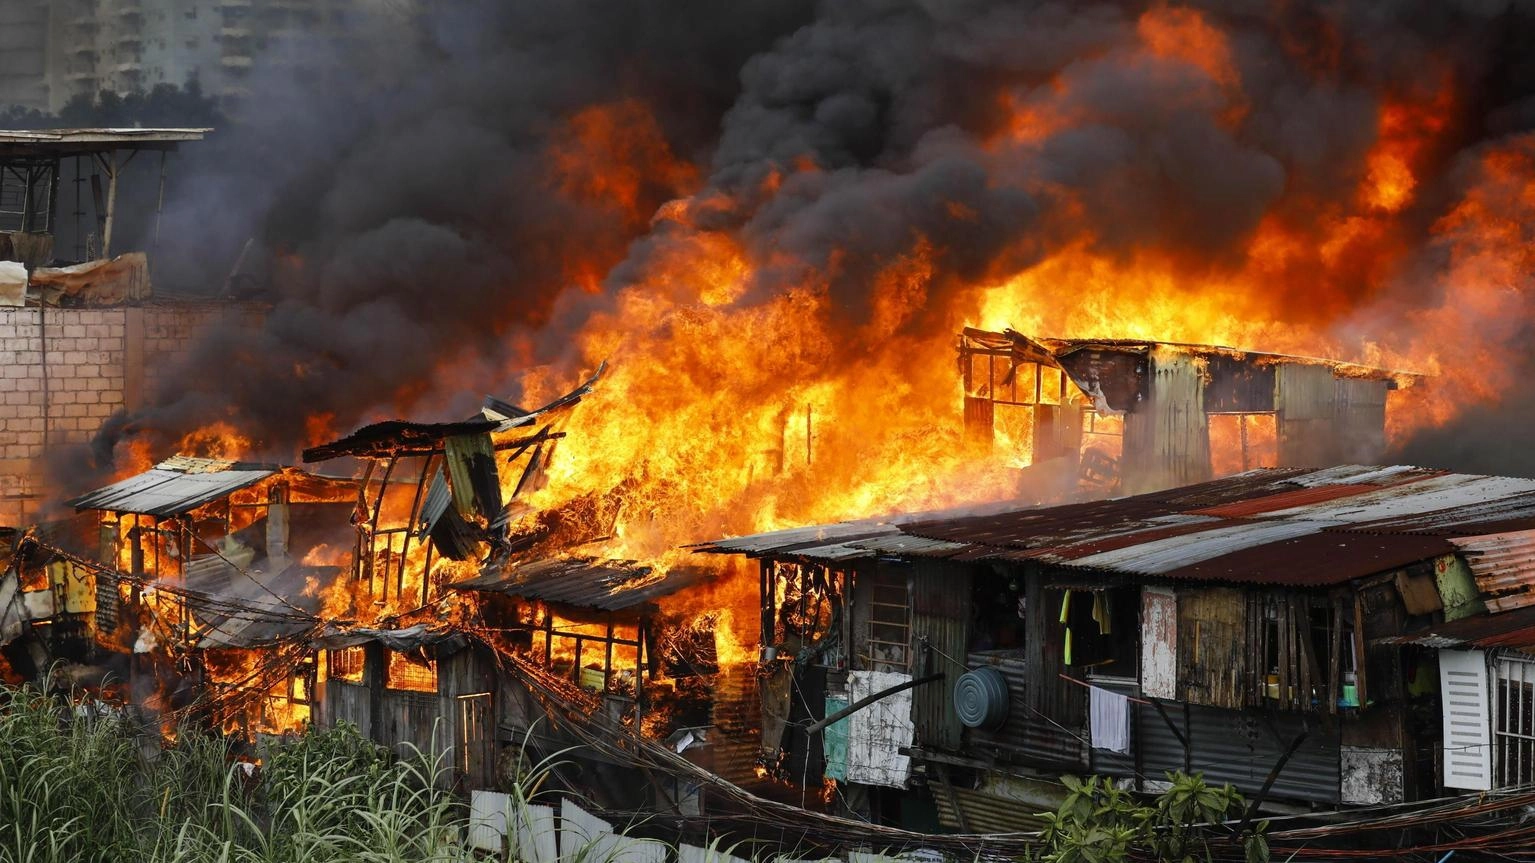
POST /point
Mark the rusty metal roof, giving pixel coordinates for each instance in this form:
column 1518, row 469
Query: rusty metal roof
column 1516, row 629
column 1503, row 565
column 174, row 486
column 1283, row 526
column 609, row 585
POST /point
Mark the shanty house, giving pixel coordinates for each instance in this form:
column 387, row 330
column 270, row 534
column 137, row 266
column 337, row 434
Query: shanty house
column 443, row 545
column 206, row 558
column 1289, row 627
column 1134, row 416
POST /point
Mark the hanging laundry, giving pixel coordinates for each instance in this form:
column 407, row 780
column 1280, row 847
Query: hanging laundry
column 1101, row 612
column 1109, row 715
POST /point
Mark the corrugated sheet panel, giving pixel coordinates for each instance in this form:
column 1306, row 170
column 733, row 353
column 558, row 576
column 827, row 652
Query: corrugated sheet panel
column 1303, row 528
column 1503, row 565
column 814, row 542
column 940, row 602
column 1172, row 446
column 1235, row 746
column 1515, row 629
column 737, row 719
column 905, row 544
column 172, row 489
column 384, row 439
column 1303, row 400
column 1432, row 494
column 987, row 813
column 272, row 607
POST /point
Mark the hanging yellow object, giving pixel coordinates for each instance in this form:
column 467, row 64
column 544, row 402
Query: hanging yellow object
column 1066, row 660
column 1065, row 606
column 1101, row 612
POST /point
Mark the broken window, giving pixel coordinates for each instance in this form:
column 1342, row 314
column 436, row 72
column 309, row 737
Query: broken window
column 411, row 674
column 1306, row 653
column 1103, row 445
column 804, row 611
column 595, row 651
column 1026, row 411
column 475, row 753
column 1243, row 441
column 346, row 664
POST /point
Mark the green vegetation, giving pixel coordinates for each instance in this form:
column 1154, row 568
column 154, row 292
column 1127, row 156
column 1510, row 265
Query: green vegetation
column 1100, row 823
column 76, row 785
column 79, row 783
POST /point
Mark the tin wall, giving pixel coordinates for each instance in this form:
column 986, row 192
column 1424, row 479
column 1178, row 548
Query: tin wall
column 1235, row 746
column 940, row 600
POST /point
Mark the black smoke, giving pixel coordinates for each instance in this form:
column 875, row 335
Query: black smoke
column 405, row 216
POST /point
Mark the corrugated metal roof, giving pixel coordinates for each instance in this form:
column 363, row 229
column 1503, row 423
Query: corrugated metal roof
column 828, row 542
column 610, row 585
column 174, row 486
column 1503, row 565
column 1516, row 629
column 1286, row 526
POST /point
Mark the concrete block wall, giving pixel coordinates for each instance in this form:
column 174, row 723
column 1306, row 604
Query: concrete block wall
column 64, row 371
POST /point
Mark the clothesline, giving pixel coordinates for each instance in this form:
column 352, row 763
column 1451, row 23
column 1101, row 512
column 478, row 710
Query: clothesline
column 1130, row 698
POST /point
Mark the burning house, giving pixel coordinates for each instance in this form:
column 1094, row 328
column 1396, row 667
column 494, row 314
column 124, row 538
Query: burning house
column 470, row 621
column 198, row 598
column 1129, row 415
column 1315, row 638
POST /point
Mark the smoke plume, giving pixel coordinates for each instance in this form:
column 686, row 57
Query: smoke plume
column 841, row 185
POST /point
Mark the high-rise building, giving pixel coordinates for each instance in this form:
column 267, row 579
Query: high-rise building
column 51, row 52
column 24, row 53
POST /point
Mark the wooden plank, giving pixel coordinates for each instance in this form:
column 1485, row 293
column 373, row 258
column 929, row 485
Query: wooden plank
column 1159, row 642
column 1335, row 670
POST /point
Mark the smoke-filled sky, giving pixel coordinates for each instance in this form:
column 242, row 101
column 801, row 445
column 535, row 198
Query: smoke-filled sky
column 521, row 178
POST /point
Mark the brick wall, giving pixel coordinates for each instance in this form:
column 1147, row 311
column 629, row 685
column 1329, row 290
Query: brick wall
column 64, row 371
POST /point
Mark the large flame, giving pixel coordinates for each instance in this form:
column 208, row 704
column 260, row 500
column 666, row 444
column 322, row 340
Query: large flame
column 745, row 394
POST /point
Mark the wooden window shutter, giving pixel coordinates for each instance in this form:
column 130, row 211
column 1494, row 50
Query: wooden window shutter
column 1467, row 730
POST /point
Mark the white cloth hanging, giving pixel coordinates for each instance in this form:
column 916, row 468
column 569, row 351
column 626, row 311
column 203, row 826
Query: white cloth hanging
column 1109, row 714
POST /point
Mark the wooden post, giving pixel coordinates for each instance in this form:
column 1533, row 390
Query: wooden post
column 375, row 671
column 607, row 660
column 159, row 207
column 110, row 163
column 1360, row 660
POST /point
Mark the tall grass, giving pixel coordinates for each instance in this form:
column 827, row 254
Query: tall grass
column 77, row 783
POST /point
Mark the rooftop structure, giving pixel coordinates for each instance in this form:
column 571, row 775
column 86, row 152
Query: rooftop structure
column 30, row 175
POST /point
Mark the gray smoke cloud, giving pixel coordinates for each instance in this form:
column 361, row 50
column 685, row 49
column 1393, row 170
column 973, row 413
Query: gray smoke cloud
column 417, row 220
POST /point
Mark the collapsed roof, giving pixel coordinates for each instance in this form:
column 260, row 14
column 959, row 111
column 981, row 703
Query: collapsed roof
column 605, row 585
column 404, row 437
